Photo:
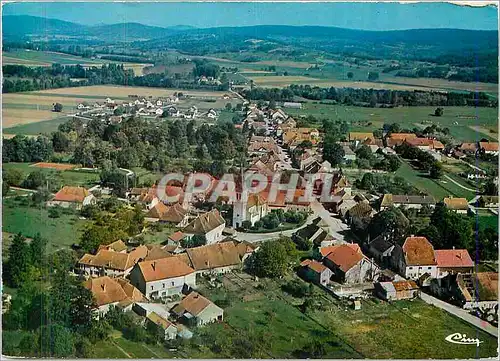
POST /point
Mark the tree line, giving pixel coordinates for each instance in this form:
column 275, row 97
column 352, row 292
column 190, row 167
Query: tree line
column 372, row 97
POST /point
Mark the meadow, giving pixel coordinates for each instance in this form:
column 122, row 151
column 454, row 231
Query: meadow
column 15, row 116
column 459, row 120
column 47, row 58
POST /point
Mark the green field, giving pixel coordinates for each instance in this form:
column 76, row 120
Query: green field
column 369, row 119
column 60, row 232
column 439, row 189
column 24, row 56
column 58, row 178
column 405, row 329
column 43, row 127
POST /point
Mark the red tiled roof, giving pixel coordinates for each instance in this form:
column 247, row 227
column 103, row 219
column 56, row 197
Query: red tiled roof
column 489, row 146
column 71, row 194
column 314, row 265
column 418, row 251
column 325, row 251
column 453, row 258
column 345, row 257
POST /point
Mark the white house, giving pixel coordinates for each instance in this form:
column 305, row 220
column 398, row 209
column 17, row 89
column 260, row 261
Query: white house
column 159, row 111
column 198, row 310
column 159, row 103
column 162, row 277
column 72, row 197
column 209, row 224
column 418, row 258
column 110, row 101
column 212, row 114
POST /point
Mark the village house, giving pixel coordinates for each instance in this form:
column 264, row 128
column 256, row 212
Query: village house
column 212, row 114
column 146, row 196
column 349, row 265
column 489, row 147
column 175, row 238
column 107, row 262
column 360, row 137
column 416, row 202
column 278, row 114
column 197, row 310
column 396, row 290
column 209, row 224
column 293, row 137
column 163, row 277
column 359, row 216
column 110, row 292
column 316, row 232
column 76, row 197
column 169, row 330
column 383, row 251
column 468, row 148
column 174, row 214
column 418, row 258
column 349, row 155
column 316, row 272
column 453, row 261
column 117, row 246
column 216, row 258
column 459, row 205
column 425, row 144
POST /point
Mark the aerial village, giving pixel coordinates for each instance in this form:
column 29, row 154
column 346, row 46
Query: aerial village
column 159, row 282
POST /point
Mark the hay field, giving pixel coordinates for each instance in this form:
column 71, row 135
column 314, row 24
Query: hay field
column 12, row 117
column 446, row 84
column 284, row 81
column 124, row 91
column 34, row 99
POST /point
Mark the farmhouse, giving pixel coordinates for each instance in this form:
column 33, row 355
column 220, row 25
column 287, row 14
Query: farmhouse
column 72, row 197
column 418, row 258
column 170, row 214
column 453, row 261
column 110, row 263
column 359, row 216
column 162, row 277
column 349, row 265
column 215, row 258
column 468, row 147
column 385, row 252
column 489, row 147
column 116, row 246
column 359, row 136
column 113, row 292
column 417, row 202
column 459, row 205
column 197, row 310
column 397, row 290
column 349, row 155
column 316, row 272
column 209, row 224
column 168, row 328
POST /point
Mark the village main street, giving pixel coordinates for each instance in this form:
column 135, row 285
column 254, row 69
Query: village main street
column 336, row 227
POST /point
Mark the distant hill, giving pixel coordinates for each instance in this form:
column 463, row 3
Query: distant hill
column 416, row 44
column 24, row 26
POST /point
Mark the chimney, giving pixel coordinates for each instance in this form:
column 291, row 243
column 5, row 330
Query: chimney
column 103, row 286
column 153, row 265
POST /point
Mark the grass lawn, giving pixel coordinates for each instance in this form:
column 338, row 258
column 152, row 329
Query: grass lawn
column 151, row 237
column 405, row 329
column 439, row 189
column 487, row 220
column 369, row 119
column 60, row 232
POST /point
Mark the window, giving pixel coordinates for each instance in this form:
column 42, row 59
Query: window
column 151, row 287
column 173, row 283
column 429, row 267
column 164, row 285
column 410, row 268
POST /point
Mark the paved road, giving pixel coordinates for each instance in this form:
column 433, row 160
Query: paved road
column 460, row 313
column 335, row 225
column 461, row 186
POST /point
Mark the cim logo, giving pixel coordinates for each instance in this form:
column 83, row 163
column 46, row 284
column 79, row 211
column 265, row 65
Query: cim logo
column 462, row 339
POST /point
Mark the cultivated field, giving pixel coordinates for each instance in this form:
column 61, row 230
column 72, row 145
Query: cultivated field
column 12, row 117
column 57, row 166
column 124, row 91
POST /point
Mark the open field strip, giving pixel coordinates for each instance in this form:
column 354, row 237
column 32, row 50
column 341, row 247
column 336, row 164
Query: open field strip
column 34, row 129
column 284, row 81
column 124, row 91
column 13, row 117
